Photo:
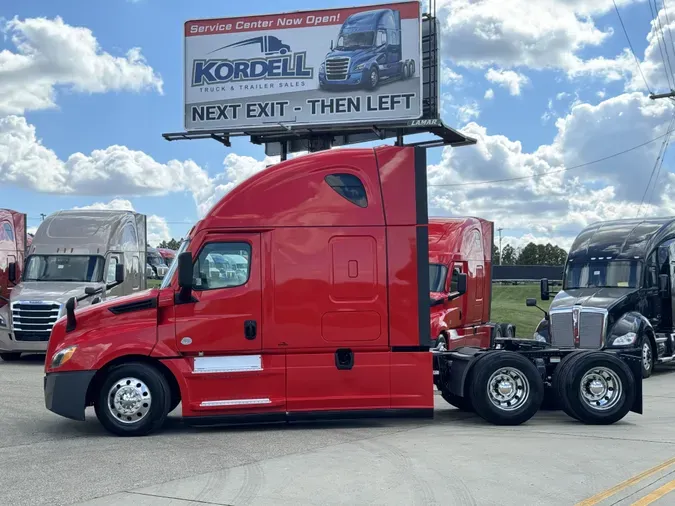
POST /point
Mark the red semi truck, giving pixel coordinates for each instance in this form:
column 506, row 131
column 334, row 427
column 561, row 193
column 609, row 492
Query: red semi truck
column 462, row 246
column 13, row 247
column 328, row 319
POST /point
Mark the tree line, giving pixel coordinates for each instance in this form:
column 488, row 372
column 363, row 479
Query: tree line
column 531, row 254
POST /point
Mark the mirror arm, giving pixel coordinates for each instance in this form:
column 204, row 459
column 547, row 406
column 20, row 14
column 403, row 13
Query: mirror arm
column 4, row 299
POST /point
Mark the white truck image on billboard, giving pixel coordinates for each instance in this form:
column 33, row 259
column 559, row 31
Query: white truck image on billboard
column 333, row 66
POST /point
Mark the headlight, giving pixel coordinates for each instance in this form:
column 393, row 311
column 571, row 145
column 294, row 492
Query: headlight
column 359, row 66
column 61, row 357
column 321, row 68
column 625, row 340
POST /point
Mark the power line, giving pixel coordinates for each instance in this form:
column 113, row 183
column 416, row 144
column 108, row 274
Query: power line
column 662, row 47
column 586, row 164
column 657, row 168
column 637, row 61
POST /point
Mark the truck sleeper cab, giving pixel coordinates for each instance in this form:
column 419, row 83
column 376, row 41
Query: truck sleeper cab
column 617, row 291
column 13, row 243
column 456, row 246
column 328, row 318
column 73, row 253
column 368, row 51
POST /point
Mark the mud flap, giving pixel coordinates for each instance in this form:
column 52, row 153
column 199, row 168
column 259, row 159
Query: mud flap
column 634, row 362
column 454, row 367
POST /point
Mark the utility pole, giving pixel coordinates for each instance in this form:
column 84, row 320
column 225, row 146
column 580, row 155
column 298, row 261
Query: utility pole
column 43, row 216
column 656, row 96
column 500, row 244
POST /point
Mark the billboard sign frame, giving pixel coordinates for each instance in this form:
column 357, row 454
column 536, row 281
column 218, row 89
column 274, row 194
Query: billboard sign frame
column 323, row 110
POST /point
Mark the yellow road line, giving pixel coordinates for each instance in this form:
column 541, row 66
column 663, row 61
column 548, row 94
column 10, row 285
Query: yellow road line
column 591, row 501
column 656, row 494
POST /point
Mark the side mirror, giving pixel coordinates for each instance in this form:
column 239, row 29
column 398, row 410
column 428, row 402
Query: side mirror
column 531, row 302
column 331, row 45
column 119, row 273
column 664, row 290
column 71, row 322
column 543, row 288
column 90, row 290
column 11, row 272
column 185, row 274
column 461, row 283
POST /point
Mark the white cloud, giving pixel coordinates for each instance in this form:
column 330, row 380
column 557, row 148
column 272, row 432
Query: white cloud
column 449, row 76
column 513, row 81
column 467, row 112
column 51, row 54
column 562, row 95
column 557, row 205
column 158, row 229
column 489, row 94
column 541, row 34
column 26, row 162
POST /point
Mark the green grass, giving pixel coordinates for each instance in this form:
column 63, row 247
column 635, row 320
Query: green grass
column 154, row 283
column 508, row 306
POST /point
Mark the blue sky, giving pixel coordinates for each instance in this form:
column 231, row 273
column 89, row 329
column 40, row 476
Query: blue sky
column 566, row 54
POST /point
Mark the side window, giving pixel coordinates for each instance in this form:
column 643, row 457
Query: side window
column 651, row 280
column 112, row 264
column 349, row 187
column 222, row 265
column 455, row 278
column 7, row 232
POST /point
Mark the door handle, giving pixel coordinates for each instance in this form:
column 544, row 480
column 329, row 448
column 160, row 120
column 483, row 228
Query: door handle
column 250, row 329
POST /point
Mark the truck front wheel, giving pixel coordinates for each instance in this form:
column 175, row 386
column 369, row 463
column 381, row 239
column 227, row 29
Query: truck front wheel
column 373, row 78
column 10, row 356
column 647, row 357
column 595, row 388
column 134, row 400
column 506, row 388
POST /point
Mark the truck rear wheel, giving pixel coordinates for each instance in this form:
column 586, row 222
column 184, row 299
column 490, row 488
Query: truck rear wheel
column 461, row 403
column 134, row 400
column 647, row 357
column 595, row 388
column 373, row 78
column 506, row 388
column 508, row 330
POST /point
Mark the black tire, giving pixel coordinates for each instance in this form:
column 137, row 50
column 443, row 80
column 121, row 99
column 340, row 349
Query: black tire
column 647, row 370
column 607, row 368
column 499, row 331
column 508, row 364
column 558, row 383
column 441, row 339
column 373, row 78
column 508, row 330
column 461, row 403
column 157, row 388
column 10, row 356
column 411, row 68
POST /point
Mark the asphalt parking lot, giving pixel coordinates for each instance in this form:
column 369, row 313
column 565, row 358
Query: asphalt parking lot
column 456, row 459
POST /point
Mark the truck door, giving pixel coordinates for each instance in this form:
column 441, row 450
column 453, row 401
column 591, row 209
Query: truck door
column 226, row 313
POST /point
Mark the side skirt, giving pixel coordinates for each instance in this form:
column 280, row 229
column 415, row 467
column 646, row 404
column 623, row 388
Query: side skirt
column 306, row 416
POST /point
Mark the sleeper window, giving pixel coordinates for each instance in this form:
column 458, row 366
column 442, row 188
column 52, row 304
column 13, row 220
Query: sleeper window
column 222, row 265
column 112, row 267
column 350, row 187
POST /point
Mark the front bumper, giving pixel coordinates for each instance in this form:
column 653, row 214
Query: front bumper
column 354, row 78
column 66, row 393
column 9, row 344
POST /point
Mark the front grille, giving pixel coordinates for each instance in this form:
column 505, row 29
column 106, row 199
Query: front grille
column 591, row 328
column 562, row 331
column 34, row 321
column 337, row 68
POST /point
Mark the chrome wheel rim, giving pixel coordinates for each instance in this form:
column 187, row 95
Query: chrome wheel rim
column 129, row 400
column 373, row 78
column 508, row 389
column 601, row 388
column 647, row 356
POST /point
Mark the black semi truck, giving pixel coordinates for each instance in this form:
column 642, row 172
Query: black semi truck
column 617, row 291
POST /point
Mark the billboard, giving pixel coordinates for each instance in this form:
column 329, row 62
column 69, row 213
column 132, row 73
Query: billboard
column 332, row 66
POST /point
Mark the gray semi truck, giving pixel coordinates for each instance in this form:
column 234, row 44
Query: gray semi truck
column 90, row 255
column 368, row 52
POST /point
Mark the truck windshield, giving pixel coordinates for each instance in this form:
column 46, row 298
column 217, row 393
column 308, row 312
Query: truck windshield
column 602, row 274
column 355, row 40
column 155, row 259
column 437, row 275
column 174, row 264
column 77, row 268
